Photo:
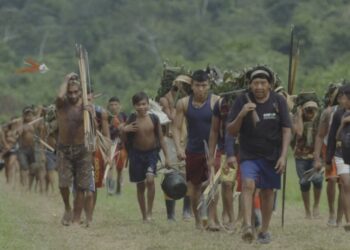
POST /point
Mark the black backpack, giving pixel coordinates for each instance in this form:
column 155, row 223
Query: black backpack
column 345, row 141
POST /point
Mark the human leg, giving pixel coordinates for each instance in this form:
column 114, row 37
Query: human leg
column 141, row 187
column 195, row 198
column 150, row 195
column 227, row 203
column 78, row 205
column 331, row 191
column 67, row 217
column 301, row 167
column 267, row 198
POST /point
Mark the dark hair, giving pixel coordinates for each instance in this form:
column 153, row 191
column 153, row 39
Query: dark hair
column 114, row 99
column 140, row 96
column 74, row 82
column 345, row 90
column 200, row 76
column 260, row 72
column 28, row 109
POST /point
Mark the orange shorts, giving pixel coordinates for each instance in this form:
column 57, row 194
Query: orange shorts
column 120, row 159
column 99, row 168
column 332, row 172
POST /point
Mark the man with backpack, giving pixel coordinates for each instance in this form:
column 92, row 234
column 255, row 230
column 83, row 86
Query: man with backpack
column 261, row 120
column 305, row 123
column 197, row 110
column 341, row 121
column 143, row 136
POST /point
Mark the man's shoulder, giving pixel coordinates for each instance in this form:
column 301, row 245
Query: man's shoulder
column 60, row 103
column 339, row 112
column 277, row 97
column 183, row 102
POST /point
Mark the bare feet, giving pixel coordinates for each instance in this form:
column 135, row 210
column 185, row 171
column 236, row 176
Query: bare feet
column 248, row 235
column 199, row 226
column 212, row 227
column 229, row 227
column 316, row 213
column 67, row 218
column 308, row 215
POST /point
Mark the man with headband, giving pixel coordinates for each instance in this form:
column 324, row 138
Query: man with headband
column 305, row 123
column 261, row 120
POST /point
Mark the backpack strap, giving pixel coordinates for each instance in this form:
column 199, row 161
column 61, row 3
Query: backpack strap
column 156, row 122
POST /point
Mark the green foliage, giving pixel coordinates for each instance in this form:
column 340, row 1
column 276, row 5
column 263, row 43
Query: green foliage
column 128, row 41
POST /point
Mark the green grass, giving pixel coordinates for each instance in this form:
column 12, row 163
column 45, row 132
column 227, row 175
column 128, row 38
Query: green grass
column 32, row 221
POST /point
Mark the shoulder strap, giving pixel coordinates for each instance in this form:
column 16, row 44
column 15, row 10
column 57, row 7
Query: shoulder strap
column 132, row 118
column 156, row 122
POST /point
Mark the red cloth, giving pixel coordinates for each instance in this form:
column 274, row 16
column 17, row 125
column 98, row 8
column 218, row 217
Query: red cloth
column 120, row 159
column 196, row 168
column 99, row 168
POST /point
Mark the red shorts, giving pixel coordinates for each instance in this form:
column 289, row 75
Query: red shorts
column 99, row 168
column 196, row 168
column 120, row 159
column 332, row 172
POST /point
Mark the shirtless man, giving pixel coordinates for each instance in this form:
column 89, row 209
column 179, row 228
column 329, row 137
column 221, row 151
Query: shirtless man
column 144, row 138
column 197, row 110
column 332, row 104
column 73, row 159
column 116, row 119
column 10, row 153
column 30, row 154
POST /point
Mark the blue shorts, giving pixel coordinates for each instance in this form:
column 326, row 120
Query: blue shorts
column 142, row 163
column 262, row 172
column 50, row 160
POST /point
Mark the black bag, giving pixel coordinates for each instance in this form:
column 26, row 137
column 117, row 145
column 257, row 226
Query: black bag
column 174, row 185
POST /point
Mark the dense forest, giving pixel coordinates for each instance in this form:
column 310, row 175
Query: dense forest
column 128, row 41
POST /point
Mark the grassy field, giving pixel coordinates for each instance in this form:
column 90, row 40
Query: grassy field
column 32, row 221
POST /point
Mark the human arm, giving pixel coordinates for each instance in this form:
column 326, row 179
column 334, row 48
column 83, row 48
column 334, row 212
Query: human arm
column 238, row 113
column 164, row 103
column 163, row 146
column 104, row 123
column 321, row 133
column 213, row 139
column 63, row 88
column 179, row 119
column 332, row 140
column 282, row 161
column 229, row 150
